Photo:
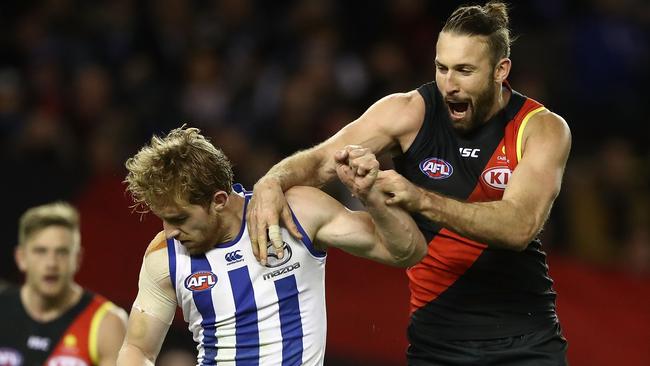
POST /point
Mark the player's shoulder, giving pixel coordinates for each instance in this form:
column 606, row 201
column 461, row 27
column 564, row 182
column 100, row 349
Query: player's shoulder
column 158, row 243
column 156, row 256
column 112, row 313
column 116, row 315
column 113, row 323
column 403, row 98
column 399, row 110
column 311, row 206
column 410, row 102
column 549, row 124
column 306, row 195
column 9, row 299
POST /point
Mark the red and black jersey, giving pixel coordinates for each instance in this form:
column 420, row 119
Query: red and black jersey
column 70, row 339
column 464, row 289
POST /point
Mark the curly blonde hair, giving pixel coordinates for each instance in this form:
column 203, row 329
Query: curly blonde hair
column 183, row 167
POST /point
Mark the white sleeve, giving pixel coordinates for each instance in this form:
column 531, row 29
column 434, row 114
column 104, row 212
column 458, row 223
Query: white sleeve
column 156, row 296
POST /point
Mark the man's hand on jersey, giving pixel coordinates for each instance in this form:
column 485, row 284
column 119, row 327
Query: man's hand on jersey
column 357, row 168
column 399, row 190
column 265, row 209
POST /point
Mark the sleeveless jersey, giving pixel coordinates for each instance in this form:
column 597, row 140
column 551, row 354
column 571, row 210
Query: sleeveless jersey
column 243, row 313
column 463, row 289
column 71, row 339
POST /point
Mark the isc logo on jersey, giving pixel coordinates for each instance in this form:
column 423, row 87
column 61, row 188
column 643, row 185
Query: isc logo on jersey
column 435, row 168
column 66, row 361
column 200, row 281
column 497, row 178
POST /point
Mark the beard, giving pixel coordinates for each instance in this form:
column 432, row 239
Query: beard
column 480, row 108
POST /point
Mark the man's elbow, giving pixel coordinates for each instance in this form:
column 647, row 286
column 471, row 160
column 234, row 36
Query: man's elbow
column 519, row 238
column 132, row 355
column 416, row 251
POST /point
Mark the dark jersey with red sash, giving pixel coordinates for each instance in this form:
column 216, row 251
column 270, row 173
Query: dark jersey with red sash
column 464, row 289
column 69, row 340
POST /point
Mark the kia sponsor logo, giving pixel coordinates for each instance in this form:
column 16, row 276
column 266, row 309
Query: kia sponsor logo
column 200, row 281
column 497, row 178
column 436, row 168
column 66, row 361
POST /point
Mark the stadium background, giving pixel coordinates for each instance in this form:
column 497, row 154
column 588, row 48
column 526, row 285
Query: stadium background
column 84, row 83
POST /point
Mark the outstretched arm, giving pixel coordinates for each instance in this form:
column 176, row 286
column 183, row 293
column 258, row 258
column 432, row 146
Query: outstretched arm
column 513, row 221
column 388, row 235
column 153, row 309
column 383, row 234
column 390, row 124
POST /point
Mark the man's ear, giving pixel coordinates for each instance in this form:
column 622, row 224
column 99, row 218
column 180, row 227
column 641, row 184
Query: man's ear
column 79, row 259
column 219, row 200
column 19, row 257
column 502, row 70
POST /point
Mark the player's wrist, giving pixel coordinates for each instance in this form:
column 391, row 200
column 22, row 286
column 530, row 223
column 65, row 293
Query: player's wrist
column 268, row 182
column 422, row 203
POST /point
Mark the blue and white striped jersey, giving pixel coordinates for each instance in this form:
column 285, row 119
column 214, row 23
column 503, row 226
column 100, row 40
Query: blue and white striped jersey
column 243, row 313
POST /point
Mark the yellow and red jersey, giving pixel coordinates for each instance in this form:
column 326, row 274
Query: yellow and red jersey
column 71, row 339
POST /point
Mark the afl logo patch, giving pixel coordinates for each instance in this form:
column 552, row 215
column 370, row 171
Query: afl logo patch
column 497, row 178
column 200, row 281
column 10, row 357
column 435, row 168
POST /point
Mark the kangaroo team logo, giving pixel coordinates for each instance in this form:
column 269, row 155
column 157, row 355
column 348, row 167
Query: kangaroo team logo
column 200, row 281
column 436, row 168
column 272, row 259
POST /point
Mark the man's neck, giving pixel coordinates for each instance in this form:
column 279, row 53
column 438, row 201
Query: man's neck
column 500, row 101
column 231, row 217
column 45, row 309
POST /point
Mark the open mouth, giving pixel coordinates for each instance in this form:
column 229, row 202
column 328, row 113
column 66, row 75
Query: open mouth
column 458, row 110
column 51, row 279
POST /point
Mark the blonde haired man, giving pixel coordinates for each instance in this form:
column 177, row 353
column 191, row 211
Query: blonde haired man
column 51, row 320
column 238, row 309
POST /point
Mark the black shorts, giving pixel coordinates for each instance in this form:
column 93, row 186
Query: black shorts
column 544, row 347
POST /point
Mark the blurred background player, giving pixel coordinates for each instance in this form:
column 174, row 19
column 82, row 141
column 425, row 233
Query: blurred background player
column 237, row 308
column 51, row 320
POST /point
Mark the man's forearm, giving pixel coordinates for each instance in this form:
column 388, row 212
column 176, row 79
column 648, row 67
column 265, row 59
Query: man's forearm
column 307, row 168
column 397, row 231
column 499, row 224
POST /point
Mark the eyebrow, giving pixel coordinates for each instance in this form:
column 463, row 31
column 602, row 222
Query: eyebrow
column 174, row 217
column 457, row 66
